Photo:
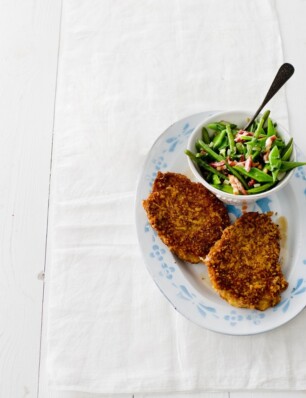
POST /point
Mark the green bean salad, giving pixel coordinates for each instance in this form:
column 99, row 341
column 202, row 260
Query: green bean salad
column 243, row 162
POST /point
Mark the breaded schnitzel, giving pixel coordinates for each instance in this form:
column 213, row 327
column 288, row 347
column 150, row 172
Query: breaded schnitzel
column 244, row 264
column 187, row 217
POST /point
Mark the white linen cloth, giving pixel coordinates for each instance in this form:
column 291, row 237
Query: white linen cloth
column 129, row 69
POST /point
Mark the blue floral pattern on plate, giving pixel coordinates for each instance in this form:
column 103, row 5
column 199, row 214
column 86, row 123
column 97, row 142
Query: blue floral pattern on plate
column 300, row 288
column 194, row 299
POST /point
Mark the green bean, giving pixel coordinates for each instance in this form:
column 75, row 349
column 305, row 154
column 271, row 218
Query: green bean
column 216, row 180
column 287, row 146
column 262, row 188
column 286, row 166
column 275, row 175
column 224, row 122
column 205, row 136
column 253, row 127
column 216, row 126
column 271, row 129
column 287, row 154
column 224, row 145
column 261, row 123
column 255, row 174
column 246, row 138
column 224, row 187
column 262, row 133
column 218, row 140
column 198, row 146
column 241, row 148
column 257, row 133
column 205, row 166
column 230, row 139
column 287, row 150
column 274, row 158
column 255, row 154
column 215, row 138
column 262, row 142
column 212, row 153
column 279, row 143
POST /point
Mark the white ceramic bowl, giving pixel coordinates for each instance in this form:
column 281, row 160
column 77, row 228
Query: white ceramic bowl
column 240, row 118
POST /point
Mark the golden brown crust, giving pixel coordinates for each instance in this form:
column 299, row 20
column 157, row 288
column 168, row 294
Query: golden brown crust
column 244, row 264
column 187, row 217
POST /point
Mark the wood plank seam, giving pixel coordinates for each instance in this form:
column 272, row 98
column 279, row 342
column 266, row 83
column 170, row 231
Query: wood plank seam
column 48, row 205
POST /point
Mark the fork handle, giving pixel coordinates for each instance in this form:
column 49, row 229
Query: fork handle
column 284, row 73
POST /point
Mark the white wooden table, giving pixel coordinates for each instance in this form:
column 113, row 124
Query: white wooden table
column 30, row 33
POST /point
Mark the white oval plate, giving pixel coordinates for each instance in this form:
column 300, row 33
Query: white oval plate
column 187, row 286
